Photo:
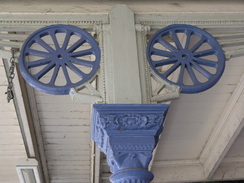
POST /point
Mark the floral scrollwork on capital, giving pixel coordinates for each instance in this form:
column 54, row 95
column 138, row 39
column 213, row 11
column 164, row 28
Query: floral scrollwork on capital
column 130, row 121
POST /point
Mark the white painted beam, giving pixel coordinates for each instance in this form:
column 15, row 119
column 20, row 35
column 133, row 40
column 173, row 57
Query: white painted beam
column 6, row 54
column 177, row 171
column 38, row 133
column 224, row 134
column 121, row 62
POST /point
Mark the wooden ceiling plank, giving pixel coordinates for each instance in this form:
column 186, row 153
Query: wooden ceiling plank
column 225, row 132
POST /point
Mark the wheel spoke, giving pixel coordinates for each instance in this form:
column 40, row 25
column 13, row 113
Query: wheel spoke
column 75, row 69
column 162, row 53
column 181, row 75
column 205, row 62
column 81, row 53
column 38, row 63
column 188, row 39
column 77, row 44
column 45, row 70
column 66, row 74
column 44, row 45
column 166, row 44
column 201, row 70
column 82, row 62
column 204, row 53
column 171, row 69
column 176, row 40
column 192, row 74
column 38, row 53
column 66, row 40
column 198, row 44
column 54, row 38
column 164, row 62
column 55, row 74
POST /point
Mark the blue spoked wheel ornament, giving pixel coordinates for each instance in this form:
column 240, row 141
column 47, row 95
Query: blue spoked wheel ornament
column 186, row 56
column 56, row 58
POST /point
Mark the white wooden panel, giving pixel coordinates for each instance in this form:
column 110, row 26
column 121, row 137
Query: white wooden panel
column 11, row 144
column 65, row 129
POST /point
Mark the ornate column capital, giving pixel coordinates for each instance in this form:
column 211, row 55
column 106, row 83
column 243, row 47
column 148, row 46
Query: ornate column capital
column 128, row 134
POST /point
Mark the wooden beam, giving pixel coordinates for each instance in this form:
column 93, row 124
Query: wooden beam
column 122, row 67
column 38, row 134
column 177, row 171
column 225, row 132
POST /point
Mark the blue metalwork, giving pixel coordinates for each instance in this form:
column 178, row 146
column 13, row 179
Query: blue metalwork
column 199, row 65
column 128, row 134
column 61, row 53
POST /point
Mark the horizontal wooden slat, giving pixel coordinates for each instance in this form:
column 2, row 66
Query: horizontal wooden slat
column 19, row 37
column 79, row 129
column 229, row 36
column 10, row 135
column 82, row 167
column 10, row 44
column 67, row 141
column 66, row 147
column 50, row 99
column 221, row 97
column 17, row 28
column 9, row 128
column 72, row 171
column 8, row 114
column 65, row 152
column 54, row 107
column 68, row 163
column 64, row 115
column 11, row 142
column 10, row 147
column 63, row 122
column 7, row 108
column 67, row 158
column 11, row 152
column 66, row 135
column 69, row 168
column 70, row 180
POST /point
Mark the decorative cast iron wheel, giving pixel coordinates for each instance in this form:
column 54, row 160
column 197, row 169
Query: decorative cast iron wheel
column 186, row 56
column 56, row 58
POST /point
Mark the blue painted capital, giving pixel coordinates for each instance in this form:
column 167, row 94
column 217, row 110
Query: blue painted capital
column 128, row 134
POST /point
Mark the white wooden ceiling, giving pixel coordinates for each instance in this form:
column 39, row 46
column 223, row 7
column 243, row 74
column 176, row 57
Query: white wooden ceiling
column 198, row 127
